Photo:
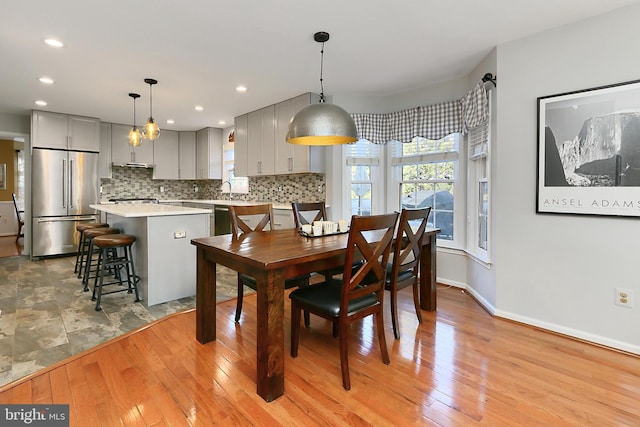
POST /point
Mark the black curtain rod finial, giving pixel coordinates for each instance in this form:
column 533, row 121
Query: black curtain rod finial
column 490, row 78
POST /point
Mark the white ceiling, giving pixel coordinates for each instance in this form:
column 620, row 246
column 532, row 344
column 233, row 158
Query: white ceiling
column 200, row 50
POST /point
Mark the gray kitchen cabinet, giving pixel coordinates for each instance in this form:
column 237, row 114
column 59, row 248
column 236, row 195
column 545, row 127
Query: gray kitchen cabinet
column 241, row 146
column 63, row 131
column 122, row 152
column 261, row 137
column 283, row 219
column 292, row 158
column 104, row 157
column 209, row 153
column 187, row 155
column 166, row 155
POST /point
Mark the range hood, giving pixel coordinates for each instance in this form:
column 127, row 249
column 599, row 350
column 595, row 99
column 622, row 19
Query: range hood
column 133, row 165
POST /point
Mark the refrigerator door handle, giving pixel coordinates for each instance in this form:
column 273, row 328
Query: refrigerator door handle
column 67, row 218
column 64, row 167
column 70, row 183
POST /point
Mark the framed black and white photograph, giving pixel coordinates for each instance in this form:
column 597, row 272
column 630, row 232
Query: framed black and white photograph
column 589, row 151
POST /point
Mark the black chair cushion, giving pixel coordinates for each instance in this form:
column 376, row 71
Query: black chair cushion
column 325, row 297
column 289, row 283
column 402, row 275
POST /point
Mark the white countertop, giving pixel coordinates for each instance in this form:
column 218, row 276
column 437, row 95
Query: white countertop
column 130, row 210
column 227, row 202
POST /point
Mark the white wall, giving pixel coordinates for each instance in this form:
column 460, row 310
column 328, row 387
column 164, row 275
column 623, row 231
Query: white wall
column 553, row 271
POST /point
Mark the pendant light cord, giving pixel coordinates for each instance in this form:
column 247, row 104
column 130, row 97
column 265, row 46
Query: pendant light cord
column 150, row 100
column 321, row 69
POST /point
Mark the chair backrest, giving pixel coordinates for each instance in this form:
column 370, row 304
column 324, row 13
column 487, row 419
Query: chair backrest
column 370, row 238
column 15, row 205
column 264, row 214
column 318, row 209
column 408, row 241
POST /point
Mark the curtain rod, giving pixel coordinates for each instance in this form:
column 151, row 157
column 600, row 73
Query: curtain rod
column 490, row 78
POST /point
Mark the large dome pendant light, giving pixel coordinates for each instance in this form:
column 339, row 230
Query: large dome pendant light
column 323, row 123
column 150, row 131
column 135, row 138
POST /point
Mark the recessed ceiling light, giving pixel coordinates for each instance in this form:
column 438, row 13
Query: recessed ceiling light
column 241, row 88
column 199, row 108
column 222, row 123
column 54, row 43
column 170, row 121
column 41, row 103
column 46, row 80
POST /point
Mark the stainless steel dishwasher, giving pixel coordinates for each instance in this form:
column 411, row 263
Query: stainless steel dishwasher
column 222, row 221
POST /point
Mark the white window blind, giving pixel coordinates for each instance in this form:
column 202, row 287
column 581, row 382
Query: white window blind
column 363, row 153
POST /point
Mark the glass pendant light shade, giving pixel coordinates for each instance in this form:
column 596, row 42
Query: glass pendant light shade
column 134, row 136
column 150, row 130
column 322, row 124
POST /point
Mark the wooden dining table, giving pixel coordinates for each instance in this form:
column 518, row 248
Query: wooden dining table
column 271, row 257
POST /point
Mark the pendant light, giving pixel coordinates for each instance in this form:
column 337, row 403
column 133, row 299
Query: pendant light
column 150, row 131
column 135, row 138
column 322, row 123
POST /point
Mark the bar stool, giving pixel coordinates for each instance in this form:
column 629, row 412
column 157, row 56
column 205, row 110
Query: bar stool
column 82, row 250
column 110, row 260
column 89, row 236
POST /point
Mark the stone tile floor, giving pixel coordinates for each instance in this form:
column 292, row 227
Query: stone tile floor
column 46, row 317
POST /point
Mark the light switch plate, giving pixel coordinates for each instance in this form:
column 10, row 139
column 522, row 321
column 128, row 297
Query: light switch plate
column 180, row 234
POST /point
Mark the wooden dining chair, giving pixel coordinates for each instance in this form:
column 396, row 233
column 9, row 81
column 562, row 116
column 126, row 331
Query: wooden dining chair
column 358, row 294
column 404, row 265
column 317, row 211
column 242, row 218
column 19, row 214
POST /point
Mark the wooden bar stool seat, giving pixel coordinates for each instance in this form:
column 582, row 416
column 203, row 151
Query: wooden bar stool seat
column 80, row 228
column 110, row 260
column 89, row 264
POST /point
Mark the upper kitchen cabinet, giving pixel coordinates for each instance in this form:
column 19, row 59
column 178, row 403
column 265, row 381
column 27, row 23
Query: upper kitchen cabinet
column 187, row 155
column 241, row 146
column 292, row 158
column 63, row 131
column 166, row 153
column 122, row 153
column 209, row 153
column 261, row 137
column 104, row 157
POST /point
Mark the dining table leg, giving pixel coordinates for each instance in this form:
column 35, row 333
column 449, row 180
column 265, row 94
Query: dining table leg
column 270, row 334
column 428, row 274
column 205, row 298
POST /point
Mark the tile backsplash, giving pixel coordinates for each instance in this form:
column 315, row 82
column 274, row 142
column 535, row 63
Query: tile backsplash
column 138, row 183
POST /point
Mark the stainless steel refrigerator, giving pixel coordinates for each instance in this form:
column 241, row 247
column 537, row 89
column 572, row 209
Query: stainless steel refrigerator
column 63, row 185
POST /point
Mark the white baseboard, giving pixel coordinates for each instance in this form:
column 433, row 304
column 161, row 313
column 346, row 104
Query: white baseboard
column 597, row 339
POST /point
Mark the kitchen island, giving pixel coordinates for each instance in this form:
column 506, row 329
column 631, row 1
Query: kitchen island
column 164, row 258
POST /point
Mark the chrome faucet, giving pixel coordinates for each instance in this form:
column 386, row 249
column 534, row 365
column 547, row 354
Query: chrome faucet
column 227, row 182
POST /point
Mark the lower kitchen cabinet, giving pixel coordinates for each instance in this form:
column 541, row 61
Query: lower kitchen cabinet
column 283, row 219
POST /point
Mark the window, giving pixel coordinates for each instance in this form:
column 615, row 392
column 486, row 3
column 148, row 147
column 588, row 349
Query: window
column 363, row 163
column 479, row 201
column 428, row 177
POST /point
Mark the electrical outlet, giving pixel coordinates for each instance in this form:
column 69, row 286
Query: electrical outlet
column 180, row 234
column 623, row 297
column 195, row 189
column 161, row 189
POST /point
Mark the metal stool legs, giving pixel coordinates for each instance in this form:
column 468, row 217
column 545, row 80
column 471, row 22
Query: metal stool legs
column 111, row 263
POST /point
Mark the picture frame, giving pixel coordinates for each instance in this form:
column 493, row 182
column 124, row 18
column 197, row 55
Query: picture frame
column 589, row 151
column 3, row 176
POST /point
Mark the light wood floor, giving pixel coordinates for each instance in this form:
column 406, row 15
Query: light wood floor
column 460, row 367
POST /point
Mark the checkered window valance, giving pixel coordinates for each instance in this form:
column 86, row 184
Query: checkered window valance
column 431, row 121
